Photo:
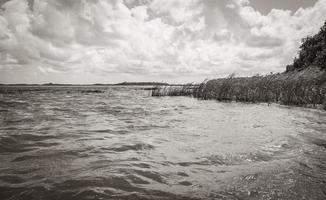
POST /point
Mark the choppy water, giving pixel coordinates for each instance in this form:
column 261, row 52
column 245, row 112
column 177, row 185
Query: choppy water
column 72, row 143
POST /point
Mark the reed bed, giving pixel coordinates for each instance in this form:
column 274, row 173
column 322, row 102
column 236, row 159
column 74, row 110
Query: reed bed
column 175, row 90
column 300, row 88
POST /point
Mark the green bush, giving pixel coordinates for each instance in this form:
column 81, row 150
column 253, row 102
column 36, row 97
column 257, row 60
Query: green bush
column 312, row 52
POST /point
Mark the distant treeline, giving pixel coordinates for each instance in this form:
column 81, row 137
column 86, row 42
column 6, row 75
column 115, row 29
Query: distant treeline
column 303, row 83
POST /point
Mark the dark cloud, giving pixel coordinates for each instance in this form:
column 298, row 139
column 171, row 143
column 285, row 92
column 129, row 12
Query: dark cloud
column 264, row 41
column 265, row 6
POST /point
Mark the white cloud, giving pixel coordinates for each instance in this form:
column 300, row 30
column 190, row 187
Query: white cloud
column 173, row 38
column 140, row 12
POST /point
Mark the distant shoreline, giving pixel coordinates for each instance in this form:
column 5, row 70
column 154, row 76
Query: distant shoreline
column 95, row 84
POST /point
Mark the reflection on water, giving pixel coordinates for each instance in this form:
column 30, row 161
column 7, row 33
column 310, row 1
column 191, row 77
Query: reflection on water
column 121, row 143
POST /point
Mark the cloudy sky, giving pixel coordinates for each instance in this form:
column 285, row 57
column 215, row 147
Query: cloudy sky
column 109, row 41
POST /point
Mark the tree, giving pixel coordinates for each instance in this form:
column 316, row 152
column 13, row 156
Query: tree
column 312, row 52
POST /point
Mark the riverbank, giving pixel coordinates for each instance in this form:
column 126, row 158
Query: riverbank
column 306, row 88
column 302, row 84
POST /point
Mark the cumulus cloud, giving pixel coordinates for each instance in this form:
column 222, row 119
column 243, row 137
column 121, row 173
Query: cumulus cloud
column 173, row 38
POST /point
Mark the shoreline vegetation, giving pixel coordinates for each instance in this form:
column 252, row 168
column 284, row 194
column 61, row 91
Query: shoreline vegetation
column 302, row 84
column 306, row 88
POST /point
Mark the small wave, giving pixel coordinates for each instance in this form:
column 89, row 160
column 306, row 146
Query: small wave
column 107, row 191
column 11, row 179
column 185, row 183
column 18, row 121
column 115, row 182
column 142, row 165
column 182, row 174
column 136, row 147
column 47, row 156
column 24, row 142
column 32, row 137
column 320, row 142
column 91, row 91
column 12, row 145
column 229, row 159
column 151, row 175
column 13, row 104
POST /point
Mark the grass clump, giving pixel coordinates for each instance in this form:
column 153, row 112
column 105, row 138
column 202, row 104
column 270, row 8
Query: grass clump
column 304, row 88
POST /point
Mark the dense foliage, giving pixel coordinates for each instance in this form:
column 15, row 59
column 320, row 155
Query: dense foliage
column 312, row 52
column 304, row 88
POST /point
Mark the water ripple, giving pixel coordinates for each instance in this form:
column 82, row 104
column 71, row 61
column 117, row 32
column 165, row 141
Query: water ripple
column 99, row 142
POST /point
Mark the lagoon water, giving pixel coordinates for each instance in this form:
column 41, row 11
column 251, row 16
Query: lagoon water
column 121, row 143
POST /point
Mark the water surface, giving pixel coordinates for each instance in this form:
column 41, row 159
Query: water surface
column 121, row 143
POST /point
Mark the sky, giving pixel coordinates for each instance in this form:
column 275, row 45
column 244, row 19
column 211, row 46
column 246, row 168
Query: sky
column 175, row 41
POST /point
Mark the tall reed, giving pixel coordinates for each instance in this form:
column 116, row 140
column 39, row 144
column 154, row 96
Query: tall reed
column 174, row 90
column 303, row 88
